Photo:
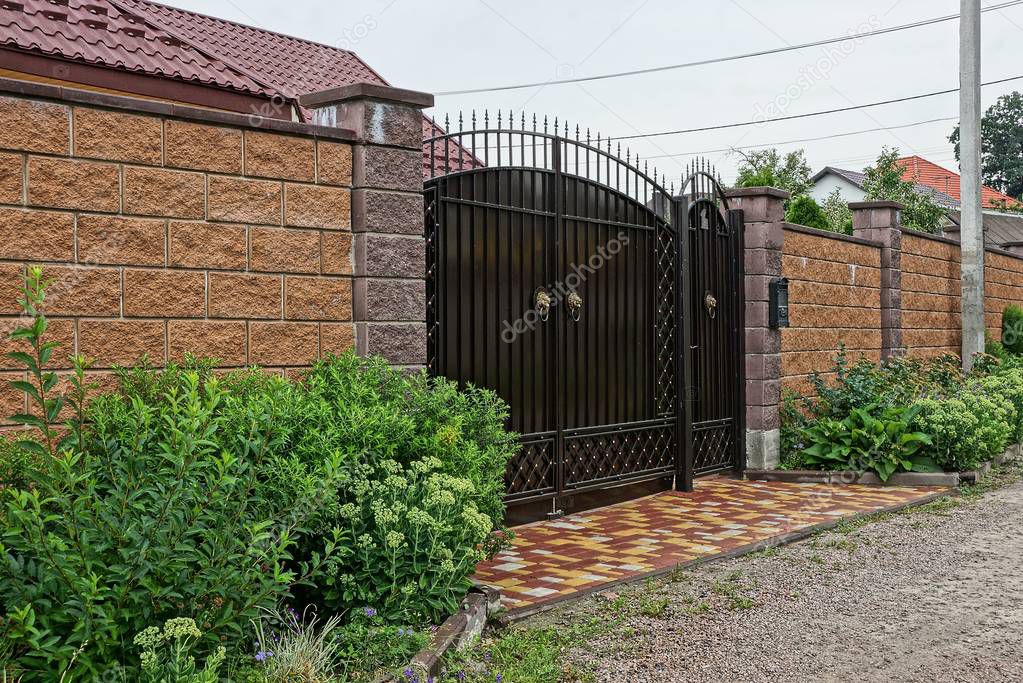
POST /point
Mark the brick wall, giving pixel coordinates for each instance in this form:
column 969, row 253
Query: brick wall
column 168, row 230
column 1003, row 285
column 930, row 295
column 834, row 298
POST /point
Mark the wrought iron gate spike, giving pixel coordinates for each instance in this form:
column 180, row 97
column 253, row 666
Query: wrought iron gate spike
column 447, row 123
column 545, row 124
column 474, row 119
column 499, row 119
column 459, row 122
column 534, row 121
column 486, row 118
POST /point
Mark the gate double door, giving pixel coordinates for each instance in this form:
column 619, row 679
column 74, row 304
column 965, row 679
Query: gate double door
column 554, row 278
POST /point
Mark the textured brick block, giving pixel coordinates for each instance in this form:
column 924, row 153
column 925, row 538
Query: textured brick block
column 12, row 176
column 317, row 298
column 34, row 126
column 164, row 294
column 159, row 192
column 12, row 276
column 240, row 295
column 334, row 163
column 227, row 341
column 121, row 342
column 245, row 201
column 279, row 250
column 74, row 184
column 317, row 206
column 12, row 401
column 205, row 148
column 272, row 155
column 336, row 338
column 400, row 344
column 381, row 211
column 380, row 300
column 116, row 240
column 207, row 245
column 84, row 291
column 57, row 330
column 283, row 343
column 118, row 136
column 335, row 253
column 37, row 235
column 390, row 256
column 388, row 169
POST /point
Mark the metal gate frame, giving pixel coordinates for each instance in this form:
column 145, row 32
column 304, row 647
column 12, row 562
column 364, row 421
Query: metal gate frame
column 452, row 154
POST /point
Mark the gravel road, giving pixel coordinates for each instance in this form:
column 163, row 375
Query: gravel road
column 931, row 595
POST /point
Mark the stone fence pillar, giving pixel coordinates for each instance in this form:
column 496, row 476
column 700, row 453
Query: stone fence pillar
column 879, row 221
column 389, row 254
column 763, row 215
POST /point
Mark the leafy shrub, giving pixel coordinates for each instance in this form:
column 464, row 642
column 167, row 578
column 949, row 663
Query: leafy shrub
column 966, row 429
column 1012, row 329
column 883, row 444
column 369, row 645
column 167, row 654
column 804, row 210
column 149, row 511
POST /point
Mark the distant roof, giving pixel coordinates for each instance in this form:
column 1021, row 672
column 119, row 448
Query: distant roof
column 999, row 227
column 919, row 170
column 156, row 40
column 857, row 178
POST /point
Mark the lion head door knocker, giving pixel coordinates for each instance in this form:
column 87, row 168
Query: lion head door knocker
column 710, row 303
column 542, row 303
column 575, row 306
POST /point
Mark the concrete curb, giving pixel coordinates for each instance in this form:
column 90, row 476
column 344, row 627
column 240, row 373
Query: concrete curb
column 513, row 616
column 844, row 477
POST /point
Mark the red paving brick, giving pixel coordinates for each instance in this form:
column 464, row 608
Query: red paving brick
column 554, row 560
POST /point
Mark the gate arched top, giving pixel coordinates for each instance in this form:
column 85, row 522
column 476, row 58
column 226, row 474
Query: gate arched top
column 542, row 145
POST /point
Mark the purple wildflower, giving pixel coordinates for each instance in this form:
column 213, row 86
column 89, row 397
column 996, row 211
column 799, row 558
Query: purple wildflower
column 369, row 612
column 263, row 656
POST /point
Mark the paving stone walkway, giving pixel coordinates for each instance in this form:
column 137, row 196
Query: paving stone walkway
column 555, row 560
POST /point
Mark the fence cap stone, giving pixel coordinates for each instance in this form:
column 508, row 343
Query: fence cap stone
column 757, row 192
column 367, row 91
column 879, row 204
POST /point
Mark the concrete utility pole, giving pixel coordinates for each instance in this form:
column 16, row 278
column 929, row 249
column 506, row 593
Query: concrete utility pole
column 972, row 226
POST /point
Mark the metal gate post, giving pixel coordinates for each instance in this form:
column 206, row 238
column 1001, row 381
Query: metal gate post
column 736, row 218
column 684, row 457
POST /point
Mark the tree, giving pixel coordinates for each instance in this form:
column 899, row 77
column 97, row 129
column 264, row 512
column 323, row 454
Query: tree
column 1001, row 146
column 767, row 167
column 804, row 210
column 838, row 212
column 883, row 181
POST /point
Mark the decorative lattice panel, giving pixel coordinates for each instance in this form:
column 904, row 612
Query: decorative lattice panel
column 619, row 454
column 713, row 446
column 532, row 470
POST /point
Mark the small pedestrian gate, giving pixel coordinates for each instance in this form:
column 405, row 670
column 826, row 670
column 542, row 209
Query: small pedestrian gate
column 604, row 309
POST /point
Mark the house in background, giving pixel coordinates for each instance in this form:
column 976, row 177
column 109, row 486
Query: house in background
column 1001, row 228
column 829, row 178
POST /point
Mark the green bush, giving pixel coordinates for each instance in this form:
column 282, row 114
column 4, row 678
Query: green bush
column 166, row 654
column 804, row 210
column 883, row 443
column 157, row 516
column 1012, row 329
column 183, row 494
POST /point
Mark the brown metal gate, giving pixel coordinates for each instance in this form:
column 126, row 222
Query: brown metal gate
column 555, row 278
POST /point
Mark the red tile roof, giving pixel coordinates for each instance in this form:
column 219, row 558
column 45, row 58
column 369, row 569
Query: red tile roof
column 100, row 32
column 919, row 170
column 157, row 40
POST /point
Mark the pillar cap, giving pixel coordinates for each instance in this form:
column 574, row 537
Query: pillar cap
column 879, row 204
column 367, row 91
column 757, row 192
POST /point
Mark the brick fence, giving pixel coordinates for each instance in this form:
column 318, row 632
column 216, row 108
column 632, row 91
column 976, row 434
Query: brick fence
column 169, row 229
column 884, row 291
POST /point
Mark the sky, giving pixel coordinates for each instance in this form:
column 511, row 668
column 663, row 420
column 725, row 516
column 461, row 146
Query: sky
column 446, row 45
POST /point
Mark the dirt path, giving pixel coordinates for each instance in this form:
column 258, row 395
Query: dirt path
column 932, row 595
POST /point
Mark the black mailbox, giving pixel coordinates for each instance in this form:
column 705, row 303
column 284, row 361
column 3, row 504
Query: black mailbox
column 778, row 294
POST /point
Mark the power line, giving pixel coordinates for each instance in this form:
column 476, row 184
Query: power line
column 719, row 60
column 791, row 142
column 791, row 117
